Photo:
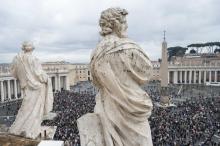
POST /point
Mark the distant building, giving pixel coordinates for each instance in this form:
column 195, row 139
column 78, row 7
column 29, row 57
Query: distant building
column 156, row 70
column 10, row 87
column 59, row 74
column 82, row 72
column 194, row 69
column 62, row 75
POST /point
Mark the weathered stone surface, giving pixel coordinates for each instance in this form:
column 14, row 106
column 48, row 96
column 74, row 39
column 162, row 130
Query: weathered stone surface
column 50, row 131
column 12, row 140
column 36, row 89
column 118, row 67
column 90, row 130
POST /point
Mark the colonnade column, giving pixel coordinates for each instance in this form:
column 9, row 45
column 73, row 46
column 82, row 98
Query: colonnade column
column 210, row 76
column 9, row 90
column 16, row 89
column 194, row 77
column 190, row 76
column 175, row 77
column 181, row 76
column 185, row 77
column 200, row 74
column 204, row 76
column 215, row 76
column 2, row 92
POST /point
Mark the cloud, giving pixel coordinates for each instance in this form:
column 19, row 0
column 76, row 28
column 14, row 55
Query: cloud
column 68, row 29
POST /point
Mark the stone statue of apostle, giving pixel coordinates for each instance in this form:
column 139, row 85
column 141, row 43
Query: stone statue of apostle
column 119, row 67
column 36, row 91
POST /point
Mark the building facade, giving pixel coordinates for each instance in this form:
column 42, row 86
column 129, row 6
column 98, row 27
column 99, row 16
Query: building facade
column 10, row 87
column 79, row 72
column 156, row 70
column 201, row 67
column 195, row 69
column 62, row 75
column 58, row 73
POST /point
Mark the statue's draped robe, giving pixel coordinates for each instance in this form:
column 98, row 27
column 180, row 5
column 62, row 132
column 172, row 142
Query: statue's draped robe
column 37, row 95
column 119, row 66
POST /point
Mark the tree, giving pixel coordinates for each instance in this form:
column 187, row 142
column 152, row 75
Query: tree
column 209, row 45
column 217, row 51
column 176, row 51
column 192, row 51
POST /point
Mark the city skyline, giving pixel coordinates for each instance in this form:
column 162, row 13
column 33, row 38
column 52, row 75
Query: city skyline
column 69, row 30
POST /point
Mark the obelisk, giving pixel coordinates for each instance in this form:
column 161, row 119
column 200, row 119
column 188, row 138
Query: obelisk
column 164, row 64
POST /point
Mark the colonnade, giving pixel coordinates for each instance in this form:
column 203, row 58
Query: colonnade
column 10, row 87
column 60, row 82
column 194, row 76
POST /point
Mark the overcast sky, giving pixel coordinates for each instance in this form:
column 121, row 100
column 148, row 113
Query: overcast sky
column 68, row 29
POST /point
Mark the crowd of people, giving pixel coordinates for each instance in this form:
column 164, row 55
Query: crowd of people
column 8, row 111
column 70, row 106
column 191, row 122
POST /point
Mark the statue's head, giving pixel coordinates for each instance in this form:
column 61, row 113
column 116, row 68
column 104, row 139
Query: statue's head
column 27, row 46
column 113, row 21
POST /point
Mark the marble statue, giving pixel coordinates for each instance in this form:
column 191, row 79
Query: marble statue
column 119, row 67
column 36, row 91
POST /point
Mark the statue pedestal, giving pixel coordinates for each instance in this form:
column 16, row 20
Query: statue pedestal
column 90, row 130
